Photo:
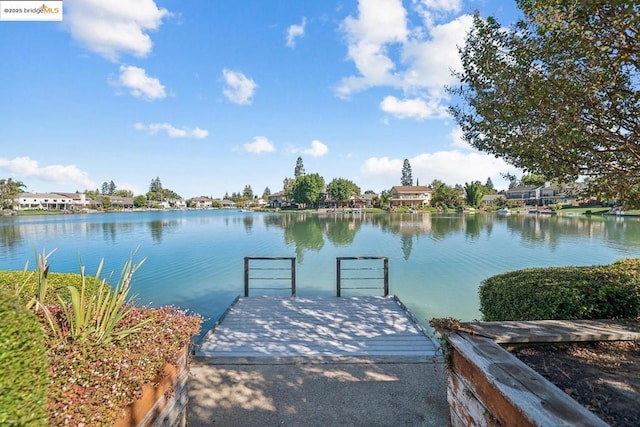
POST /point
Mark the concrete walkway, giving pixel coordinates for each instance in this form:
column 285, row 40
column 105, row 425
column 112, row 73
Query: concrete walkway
column 331, row 394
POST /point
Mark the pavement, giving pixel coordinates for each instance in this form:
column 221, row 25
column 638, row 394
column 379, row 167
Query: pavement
column 318, row 394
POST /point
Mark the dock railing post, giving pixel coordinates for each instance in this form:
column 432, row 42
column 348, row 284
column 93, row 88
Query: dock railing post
column 246, row 276
column 337, row 277
column 386, row 276
column 293, row 277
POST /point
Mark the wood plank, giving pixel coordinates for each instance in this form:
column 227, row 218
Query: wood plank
column 504, row 383
column 543, row 331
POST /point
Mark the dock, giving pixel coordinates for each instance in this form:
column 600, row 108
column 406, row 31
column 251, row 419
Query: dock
column 267, row 329
column 318, row 360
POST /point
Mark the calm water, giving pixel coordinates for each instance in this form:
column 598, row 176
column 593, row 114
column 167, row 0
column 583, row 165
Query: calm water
column 195, row 258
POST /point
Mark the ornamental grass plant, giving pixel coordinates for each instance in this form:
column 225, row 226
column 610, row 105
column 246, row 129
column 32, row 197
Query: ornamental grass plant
column 101, row 348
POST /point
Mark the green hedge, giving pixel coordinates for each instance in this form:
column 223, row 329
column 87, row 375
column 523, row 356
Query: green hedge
column 58, row 283
column 596, row 292
column 23, row 358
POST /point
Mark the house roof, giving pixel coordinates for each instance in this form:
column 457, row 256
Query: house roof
column 411, row 189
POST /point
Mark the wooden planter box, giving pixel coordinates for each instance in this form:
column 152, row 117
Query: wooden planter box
column 163, row 401
column 488, row 386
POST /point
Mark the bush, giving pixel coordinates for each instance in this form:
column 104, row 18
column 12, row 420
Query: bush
column 58, row 283
column 23, row 358
column 596, row 292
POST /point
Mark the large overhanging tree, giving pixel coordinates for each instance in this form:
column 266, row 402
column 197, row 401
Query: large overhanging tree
column 557, row 93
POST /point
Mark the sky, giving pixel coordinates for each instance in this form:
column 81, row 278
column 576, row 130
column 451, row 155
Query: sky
column 212, row 96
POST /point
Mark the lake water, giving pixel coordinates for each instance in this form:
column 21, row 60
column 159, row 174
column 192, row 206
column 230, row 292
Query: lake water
column 194, row 259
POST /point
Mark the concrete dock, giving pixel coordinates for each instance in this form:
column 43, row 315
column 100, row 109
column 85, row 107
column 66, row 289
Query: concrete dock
column 322, row 361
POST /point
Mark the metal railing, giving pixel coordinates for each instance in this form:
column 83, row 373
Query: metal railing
column 277, row 270
column 384, row 277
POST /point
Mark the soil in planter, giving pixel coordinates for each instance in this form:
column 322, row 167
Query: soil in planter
column 603, row 376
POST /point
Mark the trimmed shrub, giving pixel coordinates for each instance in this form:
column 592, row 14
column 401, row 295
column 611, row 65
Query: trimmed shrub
column 23, row 358
column 569, row 293
column 57, row 282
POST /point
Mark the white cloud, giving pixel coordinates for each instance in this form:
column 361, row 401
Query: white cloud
column 430, row 10
column 172, row 131
column 415, row 108
column 423, row 60
column 115, row 27
column 295, row 31
column 131, row 187
column 259, row 145
column 379, row 24
column 139, row 84
column 385, row 172
column 239, row 88
column 457, row 139
column 430, row 62
column 56, row 174
column 317, row 149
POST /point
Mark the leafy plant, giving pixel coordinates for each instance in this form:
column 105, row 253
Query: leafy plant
column 93, row 318
column 595, row 292
column 37, row 301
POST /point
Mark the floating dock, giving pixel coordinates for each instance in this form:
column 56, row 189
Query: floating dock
column 273, row 330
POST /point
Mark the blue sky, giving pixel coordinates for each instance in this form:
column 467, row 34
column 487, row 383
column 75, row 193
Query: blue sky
column 212, row 96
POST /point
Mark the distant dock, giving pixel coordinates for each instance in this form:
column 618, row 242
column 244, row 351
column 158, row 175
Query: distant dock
column 267, row 329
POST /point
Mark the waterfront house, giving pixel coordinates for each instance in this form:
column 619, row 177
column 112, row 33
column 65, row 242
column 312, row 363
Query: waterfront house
column 413, row 196
column 492, row 199
column 45, row 201
column 228, row 204
column 277, row 200
column 201, row 202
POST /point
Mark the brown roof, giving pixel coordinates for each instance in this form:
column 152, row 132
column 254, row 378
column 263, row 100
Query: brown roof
column 411, row 189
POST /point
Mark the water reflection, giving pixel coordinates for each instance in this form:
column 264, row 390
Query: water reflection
column 308, row 231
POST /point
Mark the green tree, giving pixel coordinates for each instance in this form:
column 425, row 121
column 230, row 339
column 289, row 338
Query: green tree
column 473, row 193
column 444, row 196
column 299, row 170
column 9, row 191
column 266, row 193
column 532, row 179
column 489, row 185
column 105, row 188
column 384, row 200
column 557, row 94
column 247, row 193
column 106, row 202
column 308, row 189
column 123, row 193
column 156, row 185
column 287, row 188
column 406, row 178
column 112, row 187
column 92, row 194
column 342, row 189
column 140, row 201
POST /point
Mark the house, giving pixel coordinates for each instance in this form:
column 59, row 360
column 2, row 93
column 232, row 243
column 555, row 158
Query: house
column 492, row 199
column 80, row 200
column 524, row 194
column 45, row 201
column 201, row 202
column 363, row 201
column 277, row 200
column 228, row 204
column 540, row 195
column 413, row 196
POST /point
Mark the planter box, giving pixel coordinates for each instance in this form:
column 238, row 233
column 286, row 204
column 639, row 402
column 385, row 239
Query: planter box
column 163, row 401
column 488, row 386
